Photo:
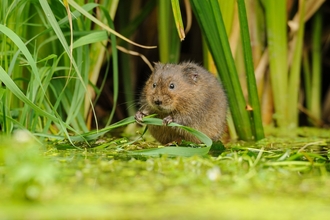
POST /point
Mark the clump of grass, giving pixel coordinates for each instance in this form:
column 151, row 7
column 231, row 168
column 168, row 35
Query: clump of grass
column 48, row 78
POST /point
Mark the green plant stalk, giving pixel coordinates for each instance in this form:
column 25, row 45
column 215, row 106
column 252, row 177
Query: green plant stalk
column 113, row 6
column 316, row 66
column 127, row 28
column 13, row 15
column 307, row 79
column 227, row 11
column 115, row 71
column 277, row 44
column 256, row 18
column 36, row 81
column 178, row 18
column 99, row 48
column 249, row 68
column 74, row 89
column 105, row 27
column 209, row 17
column 132, row 26
column 294, row 77
column 17, row 92
column 124, row 58
column 169, row 43
column 79, row 86
column 231, row 127
column 208, row 63
column 5, row 124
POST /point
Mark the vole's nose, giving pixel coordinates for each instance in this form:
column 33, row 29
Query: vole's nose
column 158, row 102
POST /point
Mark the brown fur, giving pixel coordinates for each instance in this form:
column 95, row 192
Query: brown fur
column 197, row 100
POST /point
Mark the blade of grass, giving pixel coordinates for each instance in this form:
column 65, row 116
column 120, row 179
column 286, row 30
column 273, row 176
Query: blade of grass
column 209, row 17
column 307, row 79
column 175, row 151
column 114, row 68
column 97, row 62
column 127, row 26
column 201, row 136
column 172, row 151
column 276, row 19
column 5, row 124
column 93, row 37
column 36, row 80
column 169, row 44
column 178, row 19
column 81, row 84
column 294, row 77
column 249, row 68
column 16, row 91
column 132, row 26
column 92, row 135
column 316, row 66
column 10, row 84
column 98, row 22
column 227, row 10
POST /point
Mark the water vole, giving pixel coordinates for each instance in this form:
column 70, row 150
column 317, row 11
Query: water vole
column 187, row 94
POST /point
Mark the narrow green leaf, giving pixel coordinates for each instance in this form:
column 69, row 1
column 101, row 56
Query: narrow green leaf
column 16, row 91
column 22, row 47
column 91, row 38
column 92, row 135
column 209, row 17
column 81, row 84
column 178, row 19
column 169, row 43
column 294, row 77
column 201, row 136
column 276, row 21
column 98, row 22
column 249, row 67
column 172, row 151
column 316, row 66
column 115, row 74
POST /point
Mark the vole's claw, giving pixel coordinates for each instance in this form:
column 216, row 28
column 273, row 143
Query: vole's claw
column 139, row 117
column 167, row 120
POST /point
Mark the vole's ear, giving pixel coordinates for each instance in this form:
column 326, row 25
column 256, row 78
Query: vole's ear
column 191, row 72
column 158, row 66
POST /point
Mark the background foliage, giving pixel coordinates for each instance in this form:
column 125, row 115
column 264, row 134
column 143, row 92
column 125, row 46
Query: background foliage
column 69, row 66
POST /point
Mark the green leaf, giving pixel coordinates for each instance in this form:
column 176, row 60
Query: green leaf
column 178, row 18
column 169, row 42
column 93, row 37
column 276, row 21
column 201, row 136
column 251, row 80
column 172, row 151
column 209, row 17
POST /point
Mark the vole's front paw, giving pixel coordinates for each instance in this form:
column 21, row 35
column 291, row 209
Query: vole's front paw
column 139, row 117
column 167, row 120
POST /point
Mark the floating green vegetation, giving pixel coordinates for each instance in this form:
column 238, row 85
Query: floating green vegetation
column 275, row 177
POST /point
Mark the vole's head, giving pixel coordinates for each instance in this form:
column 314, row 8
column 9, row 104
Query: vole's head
column 171, row 86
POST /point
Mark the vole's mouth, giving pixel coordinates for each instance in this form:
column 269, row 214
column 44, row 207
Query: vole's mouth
column 162, row 108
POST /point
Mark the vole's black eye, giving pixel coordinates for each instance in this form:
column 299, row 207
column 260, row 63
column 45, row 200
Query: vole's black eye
column 154, row 85
column 171, row 86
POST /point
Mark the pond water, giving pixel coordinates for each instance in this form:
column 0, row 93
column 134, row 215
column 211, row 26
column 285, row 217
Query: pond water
column 285, row 178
